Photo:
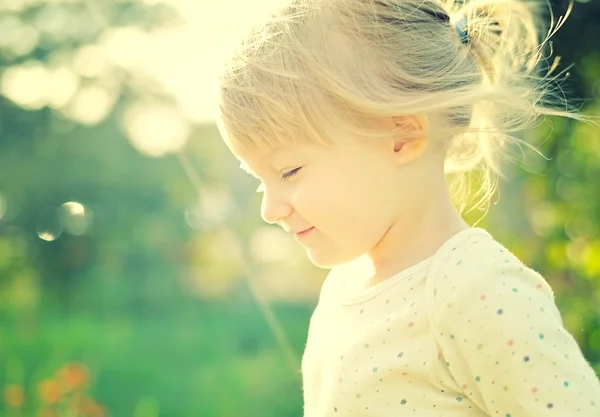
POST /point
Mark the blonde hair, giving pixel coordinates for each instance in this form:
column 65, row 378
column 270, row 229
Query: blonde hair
column 318, row 64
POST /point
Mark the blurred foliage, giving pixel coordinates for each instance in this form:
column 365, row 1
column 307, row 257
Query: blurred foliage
column 121, row 292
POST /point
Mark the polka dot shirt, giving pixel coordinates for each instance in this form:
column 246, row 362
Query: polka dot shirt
column 469, row 332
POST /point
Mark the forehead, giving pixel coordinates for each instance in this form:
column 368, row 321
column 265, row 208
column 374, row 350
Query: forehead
column 331, row 155
column 262, row 162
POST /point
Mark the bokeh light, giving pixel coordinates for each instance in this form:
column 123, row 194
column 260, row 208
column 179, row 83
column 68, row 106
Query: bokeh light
column 155, row 129
column 545, row 217
column 75, row 219
column 48, row 224
column 214, row 206
column 91, row 104
column 90, row 61
column 126, row 47
column 19, row 38
column 26, row 84
column 63, row 84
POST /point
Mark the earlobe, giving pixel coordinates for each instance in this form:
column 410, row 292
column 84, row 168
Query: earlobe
column 411, row 141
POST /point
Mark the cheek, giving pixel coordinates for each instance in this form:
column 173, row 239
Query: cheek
column 352, row 207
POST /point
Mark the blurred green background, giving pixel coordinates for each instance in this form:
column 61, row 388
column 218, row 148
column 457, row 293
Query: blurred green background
column 136, row 277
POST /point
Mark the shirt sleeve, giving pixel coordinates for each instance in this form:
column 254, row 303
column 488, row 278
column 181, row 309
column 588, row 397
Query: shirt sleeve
column 503, row 341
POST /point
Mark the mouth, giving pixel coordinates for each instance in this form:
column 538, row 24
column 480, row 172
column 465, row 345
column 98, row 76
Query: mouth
column 305, row 232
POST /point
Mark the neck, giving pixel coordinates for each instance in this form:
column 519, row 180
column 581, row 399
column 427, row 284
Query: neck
column 407, row 243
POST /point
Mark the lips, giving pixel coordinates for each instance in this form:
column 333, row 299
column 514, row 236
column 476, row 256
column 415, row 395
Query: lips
column 304, row 232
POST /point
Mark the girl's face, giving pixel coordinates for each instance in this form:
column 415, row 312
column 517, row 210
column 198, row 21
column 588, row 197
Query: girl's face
column 349, row 194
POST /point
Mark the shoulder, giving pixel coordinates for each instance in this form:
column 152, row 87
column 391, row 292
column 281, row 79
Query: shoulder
column 500, row 334
column 477, row 267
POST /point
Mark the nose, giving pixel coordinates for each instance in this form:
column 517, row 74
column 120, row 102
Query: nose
column 273, row 207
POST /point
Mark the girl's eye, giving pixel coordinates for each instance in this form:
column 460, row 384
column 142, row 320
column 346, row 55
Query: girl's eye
column 287, row 175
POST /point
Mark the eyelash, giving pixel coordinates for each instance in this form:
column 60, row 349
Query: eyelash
column 287, row 175
column 284, row 177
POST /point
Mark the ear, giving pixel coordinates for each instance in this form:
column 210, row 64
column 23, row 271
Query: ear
column 412, row 140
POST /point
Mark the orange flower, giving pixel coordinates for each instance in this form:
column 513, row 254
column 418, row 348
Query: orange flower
column 49, row 391
column 73, row 376
column 83, row 404
column 97, row 411
column 47, row 412
column 89, row 408
column 14, row 396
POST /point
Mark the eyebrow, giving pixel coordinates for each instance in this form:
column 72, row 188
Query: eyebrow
column 246, row 168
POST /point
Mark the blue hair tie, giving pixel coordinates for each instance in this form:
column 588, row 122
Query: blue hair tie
column 461, row 26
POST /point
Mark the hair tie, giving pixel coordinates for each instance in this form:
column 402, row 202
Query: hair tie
column 461, row 26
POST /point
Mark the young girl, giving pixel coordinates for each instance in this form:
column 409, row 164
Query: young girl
column 352, row 113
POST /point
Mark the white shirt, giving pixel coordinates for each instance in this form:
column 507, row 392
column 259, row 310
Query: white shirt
column 469, row 332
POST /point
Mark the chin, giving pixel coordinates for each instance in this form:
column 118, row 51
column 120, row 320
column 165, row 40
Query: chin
column 329, row 260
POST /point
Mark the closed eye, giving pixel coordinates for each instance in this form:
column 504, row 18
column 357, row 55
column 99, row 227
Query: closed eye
column 287, row 175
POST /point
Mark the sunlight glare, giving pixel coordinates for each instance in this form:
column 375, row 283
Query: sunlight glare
column 126, row 46
column 155, row 129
